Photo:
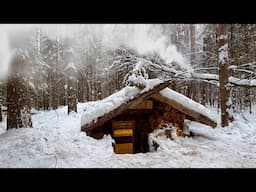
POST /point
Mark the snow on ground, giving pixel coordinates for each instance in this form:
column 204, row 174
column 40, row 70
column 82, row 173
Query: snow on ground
column 3, row 126
column 56, row 141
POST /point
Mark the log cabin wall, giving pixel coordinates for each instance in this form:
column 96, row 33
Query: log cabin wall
column 142, row 127
column 146, row 121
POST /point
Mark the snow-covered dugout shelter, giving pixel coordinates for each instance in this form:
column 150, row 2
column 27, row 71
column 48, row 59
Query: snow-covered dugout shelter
column 130, row 114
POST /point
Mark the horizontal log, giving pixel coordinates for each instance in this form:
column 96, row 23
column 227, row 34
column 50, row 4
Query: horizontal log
column 126, row 139
column 124, row 148
column 122, row 132
column 123, row 124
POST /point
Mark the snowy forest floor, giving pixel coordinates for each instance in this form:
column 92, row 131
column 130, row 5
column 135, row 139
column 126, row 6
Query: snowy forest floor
column 56, row 141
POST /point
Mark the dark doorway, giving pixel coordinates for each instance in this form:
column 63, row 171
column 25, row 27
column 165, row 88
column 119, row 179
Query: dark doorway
column 142, row 130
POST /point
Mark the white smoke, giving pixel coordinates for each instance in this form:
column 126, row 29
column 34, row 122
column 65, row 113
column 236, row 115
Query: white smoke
column 112, row 36
column 4, row 52
column 15, row 31
column 144, row 41
column 20, row 31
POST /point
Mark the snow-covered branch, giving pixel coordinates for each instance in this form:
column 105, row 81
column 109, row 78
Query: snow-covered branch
column 251, row 65
column 245, row 71
column 205, row 76
column 232, row 80
column 242, row 82
column 207, row 68
column 144, row 66
column 194, row 53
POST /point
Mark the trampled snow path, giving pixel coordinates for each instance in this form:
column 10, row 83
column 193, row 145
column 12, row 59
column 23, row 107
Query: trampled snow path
column 56, row 141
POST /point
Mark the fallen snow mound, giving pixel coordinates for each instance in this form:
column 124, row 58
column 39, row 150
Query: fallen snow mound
column 56, row 141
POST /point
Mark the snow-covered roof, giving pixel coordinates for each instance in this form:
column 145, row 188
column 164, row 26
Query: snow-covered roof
column 115, row 100
column 188, row 105
column 108, row 104
column 123, row 99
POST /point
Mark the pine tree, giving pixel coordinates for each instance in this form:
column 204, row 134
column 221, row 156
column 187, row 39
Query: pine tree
column 18, row 114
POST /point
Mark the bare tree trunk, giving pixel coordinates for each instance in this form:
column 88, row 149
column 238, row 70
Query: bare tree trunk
column 203, row 93
column 13, row 105
column 81, row 89
column 223, row 72
column 98, row 88
column 1, row 100
column 55, row 92
column 1, row 118
column 192, row 43
column 247, row 98
column 71, row 72
column 193, row 58
column 250, row 101
column 71, row 92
